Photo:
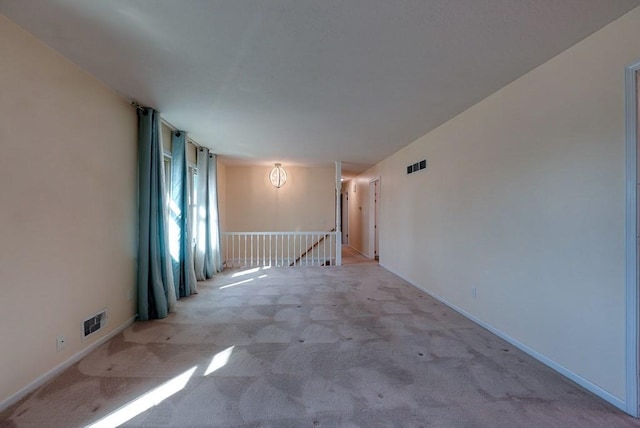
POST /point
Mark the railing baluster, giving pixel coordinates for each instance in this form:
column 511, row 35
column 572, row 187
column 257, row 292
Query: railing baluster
column 332, row 249
column 324, row 250
column 284, row 248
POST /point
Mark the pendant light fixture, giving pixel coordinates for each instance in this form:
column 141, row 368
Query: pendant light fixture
column 278, row 176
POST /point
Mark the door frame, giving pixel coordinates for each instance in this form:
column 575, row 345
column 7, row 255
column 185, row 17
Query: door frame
column 372, row 217
column 632, row 290
column 344, row 214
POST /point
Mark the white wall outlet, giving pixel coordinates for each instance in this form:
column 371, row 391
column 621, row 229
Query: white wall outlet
column 130, row 294
column 474, row 292
column 60, row 342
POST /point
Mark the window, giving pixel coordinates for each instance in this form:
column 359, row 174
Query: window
column 167, row 175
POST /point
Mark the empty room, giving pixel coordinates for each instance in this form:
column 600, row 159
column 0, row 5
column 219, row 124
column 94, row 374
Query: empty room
column 319, row 213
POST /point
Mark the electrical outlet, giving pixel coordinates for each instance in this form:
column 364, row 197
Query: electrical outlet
column 60, row 341
column 474, row 292
column 130, row 294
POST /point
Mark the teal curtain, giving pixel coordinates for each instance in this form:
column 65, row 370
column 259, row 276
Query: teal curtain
column 215, row 256
column 208, row 260
column 156, row 292
column 181, row 254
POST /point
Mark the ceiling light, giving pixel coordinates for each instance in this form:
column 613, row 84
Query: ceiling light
column 278, row 176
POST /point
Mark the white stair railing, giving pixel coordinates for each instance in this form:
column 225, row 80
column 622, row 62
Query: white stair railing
column 246, row 249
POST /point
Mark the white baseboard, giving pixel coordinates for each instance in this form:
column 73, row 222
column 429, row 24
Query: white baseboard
column 13, row 399
column 586, row 384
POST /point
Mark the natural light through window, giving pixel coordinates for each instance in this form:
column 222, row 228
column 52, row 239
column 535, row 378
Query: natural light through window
column 219, row 360
column 202, row 228
column 245, row 272
column 236, row 283
column 174, row 231
column 145, row 402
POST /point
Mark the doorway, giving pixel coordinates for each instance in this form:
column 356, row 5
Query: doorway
column 344, row 214
column 374, row 217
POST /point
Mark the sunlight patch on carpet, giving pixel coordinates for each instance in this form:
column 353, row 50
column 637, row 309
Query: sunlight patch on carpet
column 245, row 272
column 236, row 283
column 145, row 402
column 219, row 360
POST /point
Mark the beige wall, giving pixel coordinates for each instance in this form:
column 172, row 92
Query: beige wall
column 305, row 203
column 523, row 198
column 67, row 207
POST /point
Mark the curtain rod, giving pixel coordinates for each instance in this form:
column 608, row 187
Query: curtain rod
column 137, row 106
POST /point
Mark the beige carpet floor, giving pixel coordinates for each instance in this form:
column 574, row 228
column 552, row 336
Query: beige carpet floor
column 350, row 346
column 353, row 257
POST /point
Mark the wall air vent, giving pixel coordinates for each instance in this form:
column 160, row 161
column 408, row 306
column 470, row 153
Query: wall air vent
column 418, row 166
column 94, row 323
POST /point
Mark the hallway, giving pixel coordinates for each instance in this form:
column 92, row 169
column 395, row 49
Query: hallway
column 353, row 257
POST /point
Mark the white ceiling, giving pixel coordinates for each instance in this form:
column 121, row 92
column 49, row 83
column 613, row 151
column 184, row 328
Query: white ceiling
column 310, row 81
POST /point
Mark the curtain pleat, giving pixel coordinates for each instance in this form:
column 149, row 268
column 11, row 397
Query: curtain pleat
column 214, row 215
column 201, row 213
column 182, row 257
column 207, row 254
column 156, row 292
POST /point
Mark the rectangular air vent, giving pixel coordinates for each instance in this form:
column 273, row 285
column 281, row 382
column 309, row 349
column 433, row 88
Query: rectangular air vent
column 94, row 323
column 418, row 166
